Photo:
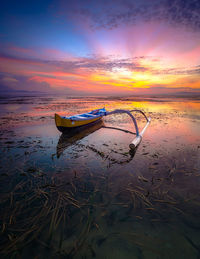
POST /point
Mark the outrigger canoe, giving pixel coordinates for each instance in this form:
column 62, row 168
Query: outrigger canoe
column 67, row 124
column 80, row 121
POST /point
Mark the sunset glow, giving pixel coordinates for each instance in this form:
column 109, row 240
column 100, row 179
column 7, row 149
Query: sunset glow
column 113, row 51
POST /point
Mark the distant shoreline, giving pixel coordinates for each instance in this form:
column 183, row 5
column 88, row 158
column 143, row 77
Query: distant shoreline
column 163, row 98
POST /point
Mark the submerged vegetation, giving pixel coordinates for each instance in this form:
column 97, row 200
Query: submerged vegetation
column 79, row 215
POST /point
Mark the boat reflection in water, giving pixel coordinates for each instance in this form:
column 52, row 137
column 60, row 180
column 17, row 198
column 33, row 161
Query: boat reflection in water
column 70, row 138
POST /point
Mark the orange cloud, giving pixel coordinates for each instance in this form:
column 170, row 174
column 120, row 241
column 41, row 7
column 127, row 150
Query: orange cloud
column 101, row 74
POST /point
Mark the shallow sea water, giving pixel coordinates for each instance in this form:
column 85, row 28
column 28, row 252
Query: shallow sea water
column 87, row 195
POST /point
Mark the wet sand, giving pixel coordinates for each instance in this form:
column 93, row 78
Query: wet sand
column 88, row 196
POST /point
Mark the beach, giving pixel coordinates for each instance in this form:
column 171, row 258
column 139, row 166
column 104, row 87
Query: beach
column 88, row 195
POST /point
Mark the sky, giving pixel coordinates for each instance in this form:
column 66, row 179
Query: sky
column 91, row 47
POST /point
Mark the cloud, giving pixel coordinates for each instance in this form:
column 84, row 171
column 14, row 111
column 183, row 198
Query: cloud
column 19, row 82
column 178, row 71
column 21, row 50
column 9, row 80
column 90, row 64
column 111, row 14
column 78, row 67
column 94, row 73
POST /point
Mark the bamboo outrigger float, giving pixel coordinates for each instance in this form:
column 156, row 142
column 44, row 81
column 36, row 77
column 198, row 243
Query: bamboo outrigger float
column 80, row 121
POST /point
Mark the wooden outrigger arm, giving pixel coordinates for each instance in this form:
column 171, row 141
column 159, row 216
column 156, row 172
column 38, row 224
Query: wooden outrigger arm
column 134, row 144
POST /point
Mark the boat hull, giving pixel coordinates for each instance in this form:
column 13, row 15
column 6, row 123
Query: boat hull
column 71, row 137
column 66, row 125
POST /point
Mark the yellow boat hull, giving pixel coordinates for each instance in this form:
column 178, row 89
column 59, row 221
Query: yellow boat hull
column 65, row 124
